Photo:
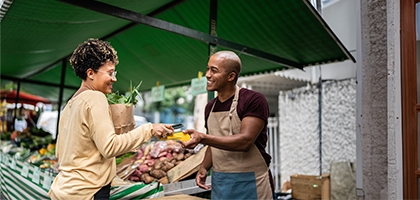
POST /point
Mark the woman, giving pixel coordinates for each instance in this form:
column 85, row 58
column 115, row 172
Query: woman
column 87, row 143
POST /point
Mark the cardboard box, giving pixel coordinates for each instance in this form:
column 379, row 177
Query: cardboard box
column 310, row 186
column 186, row 167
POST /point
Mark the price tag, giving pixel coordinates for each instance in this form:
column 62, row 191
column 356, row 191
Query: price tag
column 47, row 181
column 5, row 160
column 25, row 170
column 13, row 164
column 36, row 175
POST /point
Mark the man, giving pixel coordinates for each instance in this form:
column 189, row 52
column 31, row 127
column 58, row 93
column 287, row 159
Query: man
column 236, row 121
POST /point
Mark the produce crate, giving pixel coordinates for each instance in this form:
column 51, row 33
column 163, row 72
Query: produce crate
column 186, row 167
column 310, row 186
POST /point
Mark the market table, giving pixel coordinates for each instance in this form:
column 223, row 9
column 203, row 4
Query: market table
column 23, row 180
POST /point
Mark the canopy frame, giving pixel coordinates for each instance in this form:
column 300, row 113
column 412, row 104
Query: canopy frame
column 181, row 30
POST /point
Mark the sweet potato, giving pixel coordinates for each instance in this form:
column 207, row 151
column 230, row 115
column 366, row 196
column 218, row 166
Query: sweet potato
column 146, row 178
column 167, row 166
column 143, row 168
column 158, row 164
column 180, row 156
column 134, row 178
column 150, row 162
column 169, row 155
column 162, row 158
column 157, row 173
column 140, row 154
column 169, row 159
column 162, row 154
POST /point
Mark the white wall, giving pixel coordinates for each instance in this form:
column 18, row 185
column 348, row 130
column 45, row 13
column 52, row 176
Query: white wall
column 298, row 118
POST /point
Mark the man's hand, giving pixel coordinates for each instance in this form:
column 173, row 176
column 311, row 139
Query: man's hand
column 200, row 179
column 195, row 138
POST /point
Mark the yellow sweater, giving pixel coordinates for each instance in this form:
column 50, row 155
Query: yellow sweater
column 87, row 146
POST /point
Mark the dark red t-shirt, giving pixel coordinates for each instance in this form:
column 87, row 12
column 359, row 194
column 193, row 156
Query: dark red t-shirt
column 250, row 103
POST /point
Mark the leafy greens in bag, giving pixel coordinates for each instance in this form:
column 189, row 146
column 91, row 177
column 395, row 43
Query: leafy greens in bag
column 129, row 98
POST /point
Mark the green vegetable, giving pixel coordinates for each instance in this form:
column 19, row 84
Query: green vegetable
column 129, row 98
column 115, row 98
column 119, row 159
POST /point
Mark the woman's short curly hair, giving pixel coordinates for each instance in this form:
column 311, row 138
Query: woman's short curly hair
column 92, row 53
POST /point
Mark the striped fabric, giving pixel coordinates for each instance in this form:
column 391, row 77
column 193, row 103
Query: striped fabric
column 137, row 191
column 21, row 180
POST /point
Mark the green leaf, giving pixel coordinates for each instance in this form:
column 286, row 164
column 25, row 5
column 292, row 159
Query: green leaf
column 129, row 98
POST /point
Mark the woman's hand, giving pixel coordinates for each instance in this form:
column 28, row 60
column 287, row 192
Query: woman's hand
column 162, row 130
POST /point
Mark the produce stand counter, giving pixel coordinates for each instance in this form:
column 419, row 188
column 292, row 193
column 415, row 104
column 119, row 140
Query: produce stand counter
column 23, row 180
column 184, row 187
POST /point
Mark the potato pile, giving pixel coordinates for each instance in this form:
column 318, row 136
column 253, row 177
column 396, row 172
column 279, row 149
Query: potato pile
column 152, row 161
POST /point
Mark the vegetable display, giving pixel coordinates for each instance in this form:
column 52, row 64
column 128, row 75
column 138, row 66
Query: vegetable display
column 152, row 160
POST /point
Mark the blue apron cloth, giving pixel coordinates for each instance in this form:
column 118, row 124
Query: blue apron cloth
column 233, row 185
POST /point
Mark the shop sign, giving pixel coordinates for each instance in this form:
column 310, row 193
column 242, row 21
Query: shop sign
column 198, row 86
column 158, row 93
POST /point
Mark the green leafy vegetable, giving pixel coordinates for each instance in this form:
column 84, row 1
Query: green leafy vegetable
column 119, row 159
column 129, row 98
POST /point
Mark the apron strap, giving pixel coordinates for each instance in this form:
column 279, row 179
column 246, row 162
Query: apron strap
column 233, row 106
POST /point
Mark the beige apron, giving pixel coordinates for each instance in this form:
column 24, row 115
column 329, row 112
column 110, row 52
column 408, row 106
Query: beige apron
column 232, row 169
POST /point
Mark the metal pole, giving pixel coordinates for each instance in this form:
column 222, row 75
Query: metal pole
column 320, row 120
column 60, row 98
column 16, row 104
column 319, row 8
column 212, row 32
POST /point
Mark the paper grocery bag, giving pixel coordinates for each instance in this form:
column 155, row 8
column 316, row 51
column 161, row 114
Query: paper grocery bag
column 122, row 117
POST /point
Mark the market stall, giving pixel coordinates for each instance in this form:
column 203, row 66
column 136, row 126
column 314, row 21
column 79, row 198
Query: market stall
column 19, row 109
column 11, row 96
column 22, row 180
column 26, row 174
column 156, row 55
column 29, row 164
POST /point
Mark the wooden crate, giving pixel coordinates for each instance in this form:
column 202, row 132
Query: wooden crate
column 186, row 167
column 310, row 186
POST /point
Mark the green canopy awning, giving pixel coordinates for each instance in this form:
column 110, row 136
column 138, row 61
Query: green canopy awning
column 37, row 37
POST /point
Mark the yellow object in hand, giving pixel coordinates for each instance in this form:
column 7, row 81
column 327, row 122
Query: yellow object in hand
column 178, row 136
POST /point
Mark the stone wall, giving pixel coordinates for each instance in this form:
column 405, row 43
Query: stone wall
column 373, row 95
